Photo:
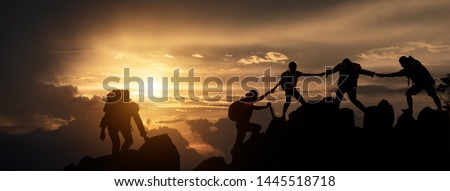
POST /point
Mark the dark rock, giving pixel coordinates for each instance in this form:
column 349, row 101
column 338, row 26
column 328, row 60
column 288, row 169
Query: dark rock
column 406, row 121
column 158, row 154
column 161, row 152
column 322, row 137
column 212, row 164
column 379, row 118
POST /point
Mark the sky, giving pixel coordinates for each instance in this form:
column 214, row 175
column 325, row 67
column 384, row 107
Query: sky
column 57, row 54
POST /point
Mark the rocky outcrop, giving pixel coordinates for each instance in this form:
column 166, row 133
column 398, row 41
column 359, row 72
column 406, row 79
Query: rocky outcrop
column 157, row 153
column 321, row 137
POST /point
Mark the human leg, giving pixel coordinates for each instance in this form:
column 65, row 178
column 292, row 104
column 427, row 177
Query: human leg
column 286, row 104
column 114, row 135
column 128, row 138
column 432, row 93
column 414, row 90
column 299, row 97
column 341, row 89
column 352, row 96
column 240, row 127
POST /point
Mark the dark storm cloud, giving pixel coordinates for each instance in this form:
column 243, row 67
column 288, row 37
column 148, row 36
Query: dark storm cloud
column 53, row 150
column 28, row 71
column 32, row 33
column 28, row 106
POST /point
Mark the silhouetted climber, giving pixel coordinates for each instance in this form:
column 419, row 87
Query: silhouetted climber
column 288, row 82
column 348, row 80
column 241, row 111
column 421, row 79
column 118, row 113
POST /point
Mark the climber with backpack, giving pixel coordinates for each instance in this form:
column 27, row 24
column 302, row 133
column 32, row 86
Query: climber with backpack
column 119, row 110
column 241, row 111
column 288, row 83
column 348, row 81
column 421, row 80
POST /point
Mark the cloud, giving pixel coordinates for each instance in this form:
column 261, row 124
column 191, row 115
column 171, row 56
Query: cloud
column 394, row 52
column 170, row 121
column 39, row 106
column 197, row 56
column 120, row 56
column 220, row 135
column 274, row 57
column 53, row 150
column 149, row 54
column 168, row 56
column 434, row 47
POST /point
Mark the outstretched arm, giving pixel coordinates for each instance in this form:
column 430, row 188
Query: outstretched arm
column 395, row 74
column 367, row 73
column 264, row 96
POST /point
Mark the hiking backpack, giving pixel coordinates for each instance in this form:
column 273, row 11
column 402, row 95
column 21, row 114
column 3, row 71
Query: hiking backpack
column 352, row 70
column 236, row 111
column 418, row 70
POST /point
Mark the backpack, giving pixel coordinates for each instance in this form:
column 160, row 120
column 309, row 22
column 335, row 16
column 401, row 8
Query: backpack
column 236, row 111
column 418, row 71
column 352, row 70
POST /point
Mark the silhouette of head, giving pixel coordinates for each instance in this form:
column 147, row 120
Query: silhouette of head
column 118, row 96
column 403, row 61
column 251, row 96
column 292, row 66
column 346, row 61
column 111, row 97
